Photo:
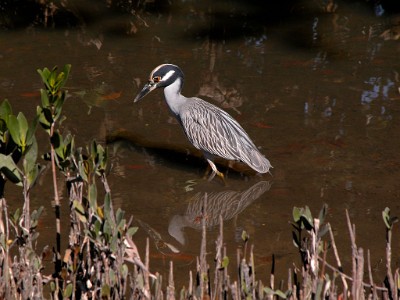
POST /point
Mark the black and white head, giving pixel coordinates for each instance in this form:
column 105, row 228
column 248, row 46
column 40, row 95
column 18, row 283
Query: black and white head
column 161, row 77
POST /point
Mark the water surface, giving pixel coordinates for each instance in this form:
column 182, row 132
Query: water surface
column 318, row 92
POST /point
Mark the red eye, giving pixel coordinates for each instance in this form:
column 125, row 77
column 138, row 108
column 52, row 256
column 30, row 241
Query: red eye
column 157, row 79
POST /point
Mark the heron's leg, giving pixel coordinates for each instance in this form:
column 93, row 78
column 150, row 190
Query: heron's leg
column 215, row 171
column 207, row 172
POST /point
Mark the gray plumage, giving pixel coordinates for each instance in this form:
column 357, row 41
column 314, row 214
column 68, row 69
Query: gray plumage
column 209, row 128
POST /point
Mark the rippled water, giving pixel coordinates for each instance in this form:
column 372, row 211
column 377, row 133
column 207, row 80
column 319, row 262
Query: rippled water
column 318, row 92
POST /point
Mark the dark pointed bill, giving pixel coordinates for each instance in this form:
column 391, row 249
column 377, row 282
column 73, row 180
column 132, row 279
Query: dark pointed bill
column 146, row 89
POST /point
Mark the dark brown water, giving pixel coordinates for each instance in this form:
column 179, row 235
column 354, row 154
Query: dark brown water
column 318, row 92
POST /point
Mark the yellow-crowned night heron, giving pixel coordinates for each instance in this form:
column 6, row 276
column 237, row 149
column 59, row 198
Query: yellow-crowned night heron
column 208, row 128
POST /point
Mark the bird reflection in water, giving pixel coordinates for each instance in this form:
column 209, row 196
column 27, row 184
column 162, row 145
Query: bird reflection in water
column 210, row 206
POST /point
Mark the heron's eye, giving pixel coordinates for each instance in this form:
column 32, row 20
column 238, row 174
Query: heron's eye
column 157, row 79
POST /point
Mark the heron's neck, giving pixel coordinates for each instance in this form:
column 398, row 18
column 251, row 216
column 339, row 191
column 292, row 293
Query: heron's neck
column 173, row 96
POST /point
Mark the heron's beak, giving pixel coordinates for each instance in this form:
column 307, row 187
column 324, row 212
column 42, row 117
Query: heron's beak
column 146, row 89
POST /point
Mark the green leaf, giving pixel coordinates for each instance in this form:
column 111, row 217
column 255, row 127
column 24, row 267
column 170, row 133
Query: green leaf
column 52, row 80
column 119, row 215
column 68, row 291
column 124, row 271
column 23, row 128
column 323, row 230
column 35, row 215
column 113, row 278
column 5, row 110
column 93, row 196
column 78, row 207
column 33, row 175
column 69, row 145
column 80, row 211
column 60, row 78
column 225, row 262
column 57, row 141
column 131, row 231
column 322, row 213
column 58, row 105
column 121, row 225
column 107, row 230
column 281, row 294
column 307, row 224
column 303, row 217
column 13, row 127
column 271, row 292
column 268, row 291
column 83, row 170
column 44, row 74
column 15, row 216
column 45, row 118
column 93, row 149
column 30, row 135
column 297, row 212
column 97, row 228
column 10, row 169
column 245, row 236
column 107, row 206
column 44, row 98
column 30, row 157
column 386, row 218
column 66, row 70
column 307, row 214
column 114, row 243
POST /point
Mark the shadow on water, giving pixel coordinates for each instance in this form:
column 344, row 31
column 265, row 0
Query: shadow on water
column 173, row 155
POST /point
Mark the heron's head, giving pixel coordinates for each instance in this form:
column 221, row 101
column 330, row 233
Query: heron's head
column 162, row 76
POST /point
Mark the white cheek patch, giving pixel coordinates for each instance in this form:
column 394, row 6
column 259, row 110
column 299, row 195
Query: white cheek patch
column 168, row 75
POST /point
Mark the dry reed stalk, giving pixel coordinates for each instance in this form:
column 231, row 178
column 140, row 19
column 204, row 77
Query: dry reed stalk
column 147, row 271
column 360, row 275
column 190, row 288
column 238, row 266
column 272, row 275
column 203, row 261
column 253, row 273
column 27, row 212
column 75, row 193
column 396, row 279
column 371, row 280
column 171, row 284
column 389, row 274
column 7, row 285
column 338, row 262
column 235, row 291
column 57, row 209
column 227, row 282
column 218, row 281
column 352, row 229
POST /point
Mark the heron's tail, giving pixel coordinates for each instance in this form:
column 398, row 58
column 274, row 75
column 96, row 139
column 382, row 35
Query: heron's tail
column 257, row 161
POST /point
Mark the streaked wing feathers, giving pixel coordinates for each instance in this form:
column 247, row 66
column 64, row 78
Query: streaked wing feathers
column 212, row 130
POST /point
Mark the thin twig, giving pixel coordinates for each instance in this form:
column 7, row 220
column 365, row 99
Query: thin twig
column 339, row 264
column 367, row 285
column 389, row 273
column 56, row 205
column 371, row 280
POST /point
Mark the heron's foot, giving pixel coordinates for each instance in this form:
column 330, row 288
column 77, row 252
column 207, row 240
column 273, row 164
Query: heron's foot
column 214, row 172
